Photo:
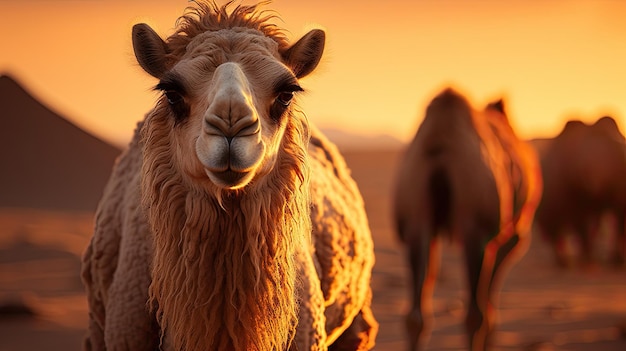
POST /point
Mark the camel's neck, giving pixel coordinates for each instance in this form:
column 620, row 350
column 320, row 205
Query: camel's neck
column 227, row 278
column 224, row 275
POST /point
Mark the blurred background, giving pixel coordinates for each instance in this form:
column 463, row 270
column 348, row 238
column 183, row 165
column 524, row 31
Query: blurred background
column 71, row 94
column 551, row 59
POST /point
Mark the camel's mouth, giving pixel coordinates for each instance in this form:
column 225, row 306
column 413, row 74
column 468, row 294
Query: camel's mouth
column 230, row 179
column 230, row 163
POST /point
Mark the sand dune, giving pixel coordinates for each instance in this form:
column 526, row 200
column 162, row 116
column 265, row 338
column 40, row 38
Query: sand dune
column 47, row 162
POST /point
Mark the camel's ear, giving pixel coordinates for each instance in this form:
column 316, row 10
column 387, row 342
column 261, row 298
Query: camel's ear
column 498, row 106
column 303, row 56
column 150, row 50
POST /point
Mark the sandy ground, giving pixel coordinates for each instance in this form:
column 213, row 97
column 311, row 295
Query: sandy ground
column 541, row 308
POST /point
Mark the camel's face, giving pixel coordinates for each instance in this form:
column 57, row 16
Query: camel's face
column 235, row 97
column 230, row 143
column 230, row 97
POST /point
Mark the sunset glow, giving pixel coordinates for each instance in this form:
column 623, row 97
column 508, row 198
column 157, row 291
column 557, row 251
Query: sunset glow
column 552, row 60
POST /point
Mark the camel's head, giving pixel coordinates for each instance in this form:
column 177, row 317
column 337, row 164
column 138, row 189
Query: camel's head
column 228, row 83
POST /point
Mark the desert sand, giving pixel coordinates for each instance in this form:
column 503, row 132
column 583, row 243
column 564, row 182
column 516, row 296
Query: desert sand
column 43, row 306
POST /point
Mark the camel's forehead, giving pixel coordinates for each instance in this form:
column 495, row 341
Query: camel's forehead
column 255, row 53
column 231, row 42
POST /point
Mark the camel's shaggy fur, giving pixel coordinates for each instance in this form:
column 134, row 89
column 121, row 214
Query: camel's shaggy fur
column 271, row 251
column 467, row 175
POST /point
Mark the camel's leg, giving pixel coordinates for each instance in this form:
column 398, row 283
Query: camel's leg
column 311, row 328
column 559, row 247
column 619, row 247
column 555, row 235
column 484, row 263
column 94, row 340
column 423, row 254
column 507, row 254
column 586, row 230
column 476, row 321
column 486, row 269
column 361, row 334
column 130, row 325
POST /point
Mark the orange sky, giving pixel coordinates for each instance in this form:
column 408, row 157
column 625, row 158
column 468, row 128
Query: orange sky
column 551, row 59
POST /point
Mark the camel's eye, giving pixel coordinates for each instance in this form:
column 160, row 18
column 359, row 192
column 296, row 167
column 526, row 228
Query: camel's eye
column 173, row 97
column 177, row 103
column 174, row 93
column 284, row 98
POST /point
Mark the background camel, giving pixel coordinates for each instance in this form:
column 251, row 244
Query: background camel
column 584, row 168
column 222, row 227
column 468, row 176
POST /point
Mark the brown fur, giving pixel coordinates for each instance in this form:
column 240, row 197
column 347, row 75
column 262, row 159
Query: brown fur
column 208, row 17
column 189, row 283
column 468, row 176
column 584, row 168
column 281, row 262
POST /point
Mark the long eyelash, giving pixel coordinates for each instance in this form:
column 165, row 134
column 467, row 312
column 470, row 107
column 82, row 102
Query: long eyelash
column 289, row 88
column 286, row 82
column 161, row 87
column 292, row 88
column 172, row 82
column 170, row 86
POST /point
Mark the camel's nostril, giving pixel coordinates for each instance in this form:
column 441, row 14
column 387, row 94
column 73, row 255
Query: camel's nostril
column 214, row 125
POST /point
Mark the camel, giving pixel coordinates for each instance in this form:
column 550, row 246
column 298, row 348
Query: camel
column 465, row 177
column 583, row 168
column 230, row 222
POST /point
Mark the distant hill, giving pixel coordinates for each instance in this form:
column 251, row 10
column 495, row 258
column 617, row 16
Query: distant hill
column 47, row 162
column 347, row 141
